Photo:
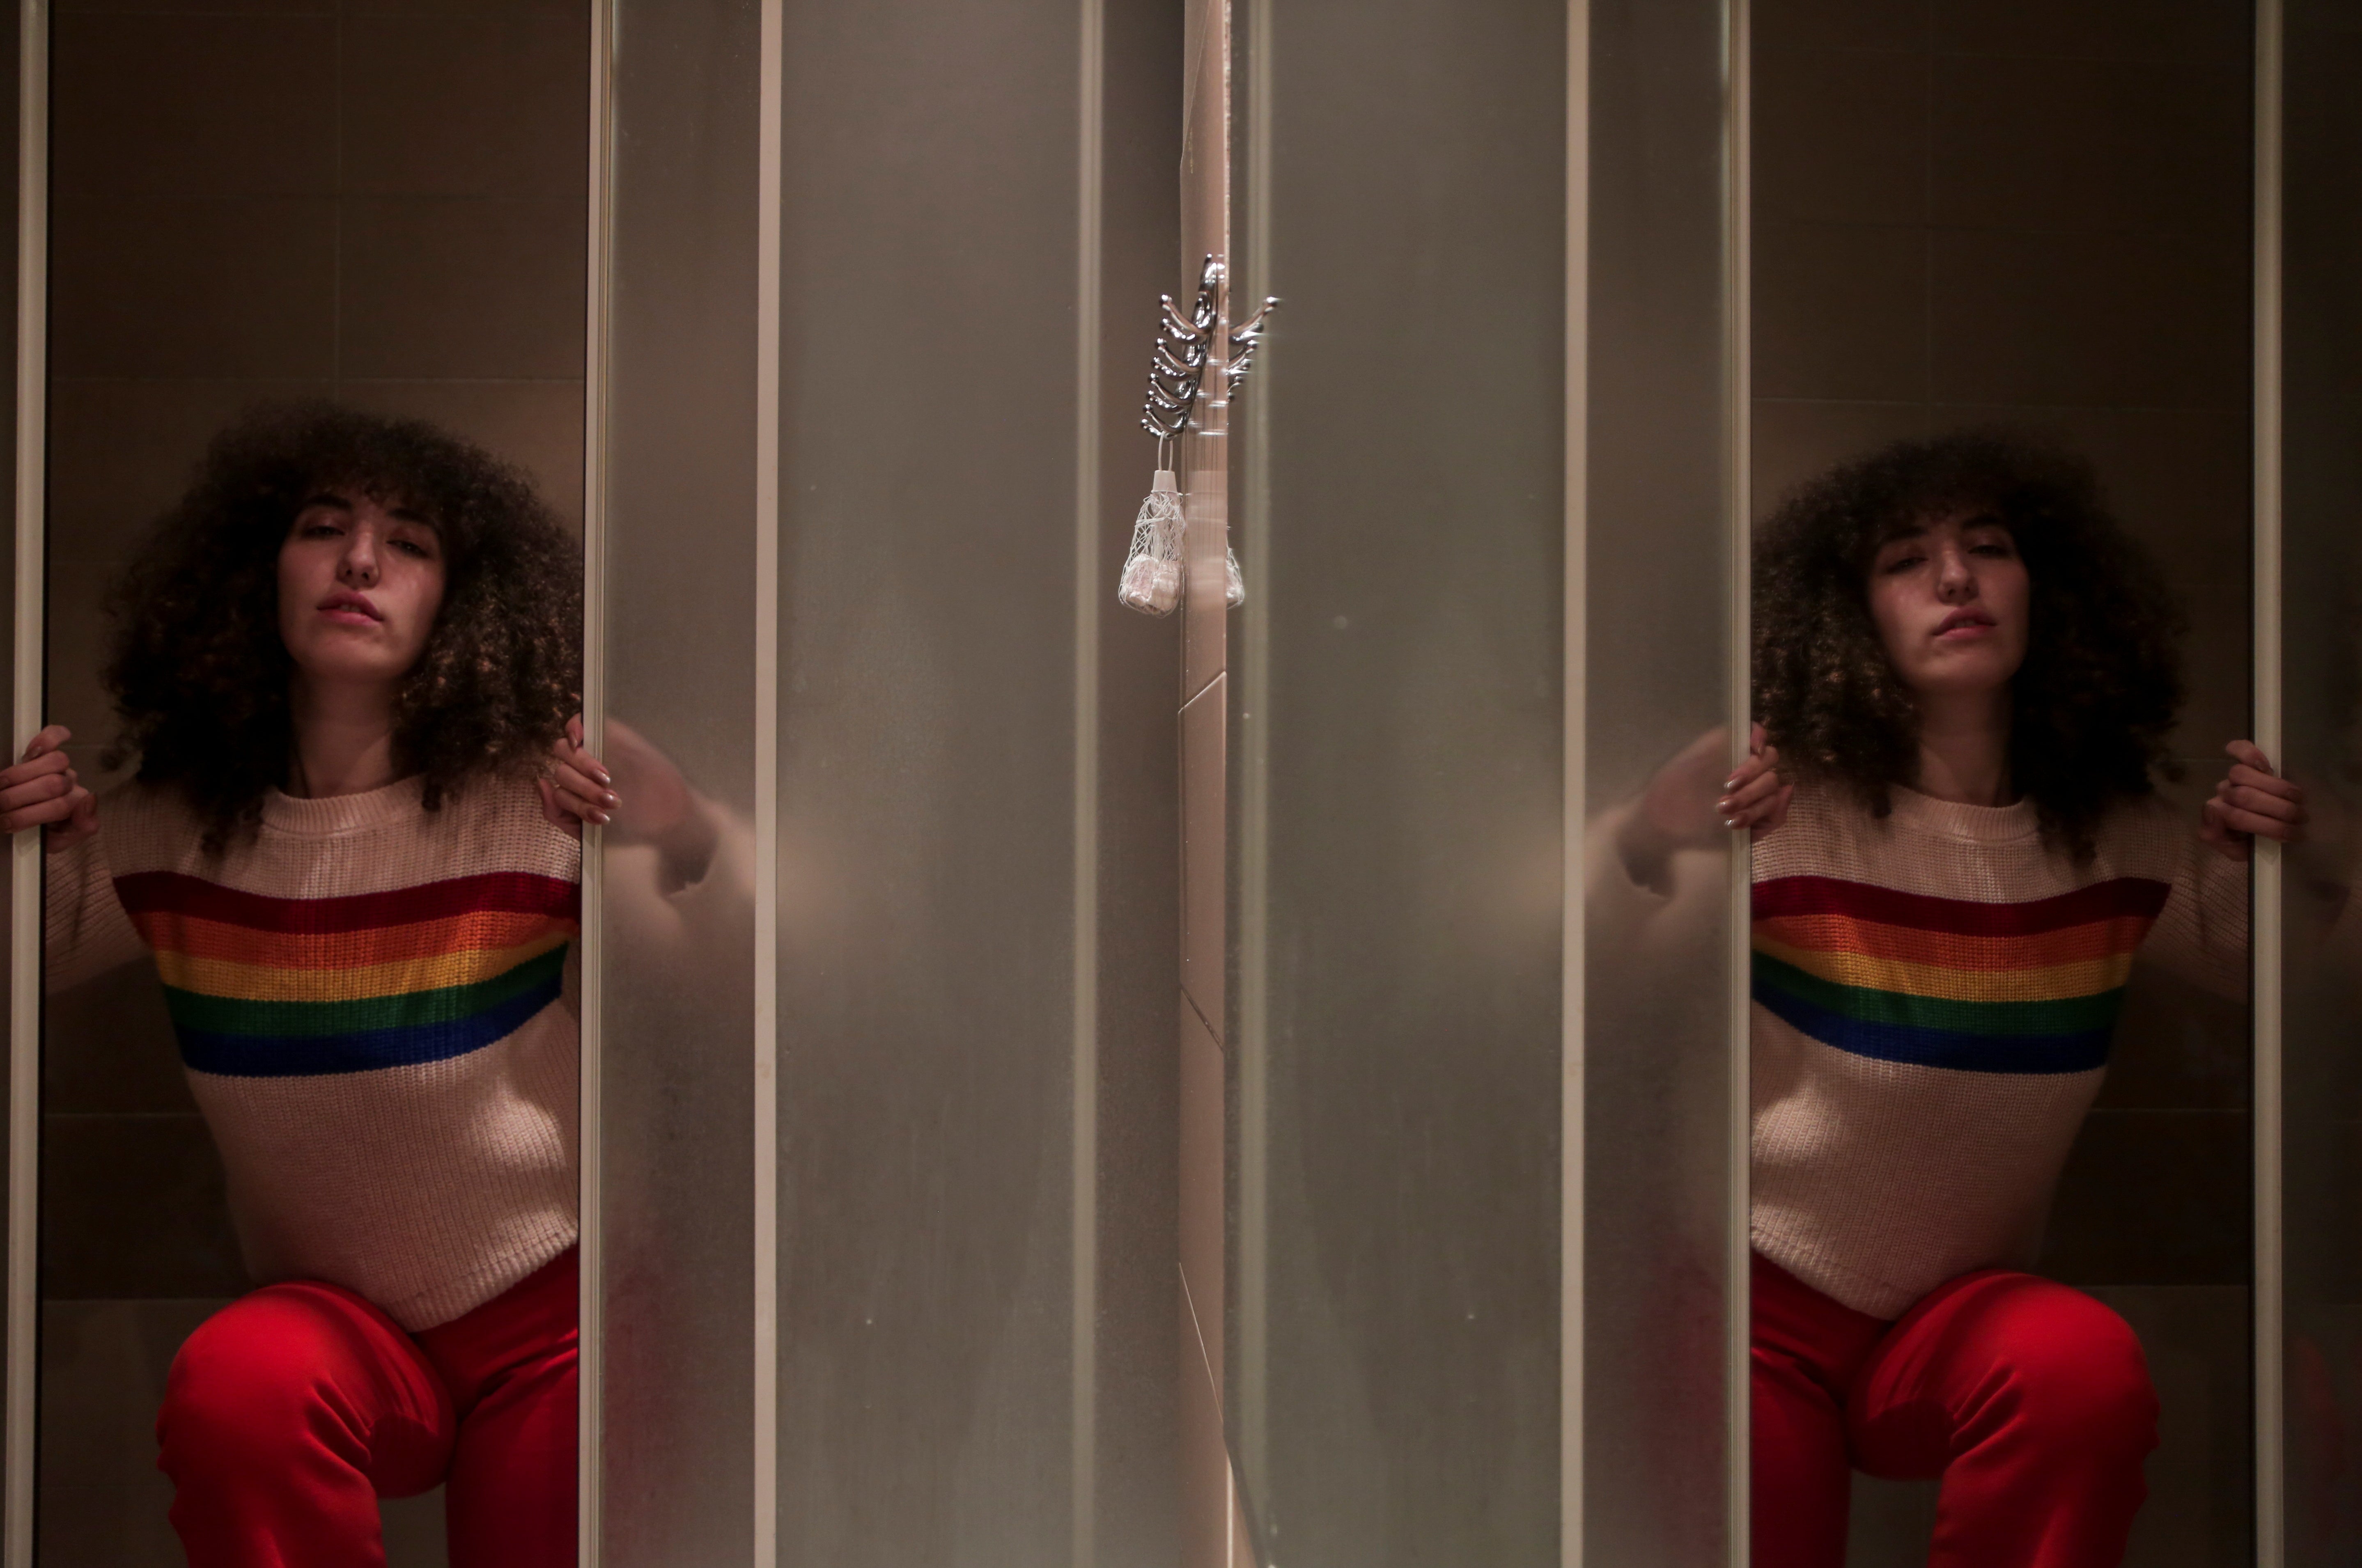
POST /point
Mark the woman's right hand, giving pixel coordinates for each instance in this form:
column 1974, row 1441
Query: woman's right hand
column 44, row 789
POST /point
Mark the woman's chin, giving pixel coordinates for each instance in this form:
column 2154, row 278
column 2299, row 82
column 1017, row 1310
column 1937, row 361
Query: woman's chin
column 345, row 668
column 1973, row 675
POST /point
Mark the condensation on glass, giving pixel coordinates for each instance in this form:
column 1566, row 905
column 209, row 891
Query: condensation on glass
column 1395, row 1363
column 1658, row 1087
column 2321, row 632
column 676, row 1040
column 978, row 896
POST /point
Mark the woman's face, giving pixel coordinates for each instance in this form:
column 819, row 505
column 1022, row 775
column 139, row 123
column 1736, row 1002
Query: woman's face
column 358, row 586
column 1951, row 601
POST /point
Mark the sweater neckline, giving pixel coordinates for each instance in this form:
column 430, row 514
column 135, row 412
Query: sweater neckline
column 1951, row 819
column 327, row 815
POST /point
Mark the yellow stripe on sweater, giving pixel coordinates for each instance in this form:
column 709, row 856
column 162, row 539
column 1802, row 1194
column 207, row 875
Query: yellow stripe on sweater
column 2057, row 982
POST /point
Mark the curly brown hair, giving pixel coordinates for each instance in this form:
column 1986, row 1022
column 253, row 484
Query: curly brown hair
column 2095, row 699
column 199, row 673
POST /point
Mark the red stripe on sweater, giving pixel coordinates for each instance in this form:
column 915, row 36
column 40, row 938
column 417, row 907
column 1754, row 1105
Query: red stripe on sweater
column 2111, row 900
column 514, row 892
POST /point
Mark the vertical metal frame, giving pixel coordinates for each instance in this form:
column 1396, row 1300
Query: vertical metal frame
column 1738, row 449
column 1573, row 894
column 1082, row 1151
column 767, row 197
column 1249, row 1410
column 600, row 250
column 764, row 1438
column 24, row 850
column 2270, row 1217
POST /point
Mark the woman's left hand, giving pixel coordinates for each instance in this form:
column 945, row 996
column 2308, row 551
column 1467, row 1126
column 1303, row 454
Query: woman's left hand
column 2253, row 802
column 578, row 788
column 643, row 800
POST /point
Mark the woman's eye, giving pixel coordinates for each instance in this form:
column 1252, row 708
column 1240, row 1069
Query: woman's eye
column 413, row 546
column 1903, row 563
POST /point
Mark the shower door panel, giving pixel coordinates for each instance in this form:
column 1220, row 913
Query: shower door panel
column 1663, row 1179
column 2320, row 630
column 2040, row 219
column 977, row 902
column 234, row 212
column 23, row 81
column 1482, row 1143
column 671, row 1211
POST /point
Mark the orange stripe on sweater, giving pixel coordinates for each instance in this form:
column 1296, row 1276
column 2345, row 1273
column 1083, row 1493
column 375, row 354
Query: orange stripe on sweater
column 270, row 983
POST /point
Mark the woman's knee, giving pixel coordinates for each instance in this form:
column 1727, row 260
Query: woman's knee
column 257, row 1375
column 2079, row 1370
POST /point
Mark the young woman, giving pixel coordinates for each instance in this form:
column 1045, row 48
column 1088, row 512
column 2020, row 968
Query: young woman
column 1969, row 673
column 346, row 666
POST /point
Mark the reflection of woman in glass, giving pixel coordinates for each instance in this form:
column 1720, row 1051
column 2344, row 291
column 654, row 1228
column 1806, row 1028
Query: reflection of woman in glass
column 1970, row 674
column 343, row 665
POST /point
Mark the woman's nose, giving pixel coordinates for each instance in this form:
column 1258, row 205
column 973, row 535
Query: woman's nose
column 358, row 567
column 1956, row 579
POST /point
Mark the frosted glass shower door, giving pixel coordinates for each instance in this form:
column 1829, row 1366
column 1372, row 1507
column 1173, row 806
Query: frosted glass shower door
column 1483, row 1149
column 2320, row 634
column 883, row 1160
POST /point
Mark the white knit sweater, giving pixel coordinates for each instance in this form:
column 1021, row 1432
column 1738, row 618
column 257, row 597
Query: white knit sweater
column 375, row 1008
column 1935, row 995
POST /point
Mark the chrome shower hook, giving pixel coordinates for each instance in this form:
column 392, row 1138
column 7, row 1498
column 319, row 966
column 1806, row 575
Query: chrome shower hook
column 1176, row 364
column 1176, row 375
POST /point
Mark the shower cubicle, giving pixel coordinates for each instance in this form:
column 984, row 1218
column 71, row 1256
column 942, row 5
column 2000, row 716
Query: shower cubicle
column 1167, row 1092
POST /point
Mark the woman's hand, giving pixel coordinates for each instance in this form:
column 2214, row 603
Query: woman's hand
column 643, row 800
column 2253, row 800
column 1754, row 797
column 1693, row 803
column 578, row 788
column 44, row 789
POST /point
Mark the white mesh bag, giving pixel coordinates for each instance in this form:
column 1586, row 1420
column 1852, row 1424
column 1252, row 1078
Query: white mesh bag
column 1151, row 571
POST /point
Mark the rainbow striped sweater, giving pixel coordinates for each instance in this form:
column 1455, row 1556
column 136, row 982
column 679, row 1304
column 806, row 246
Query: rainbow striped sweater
column 1933, row 998
column 372, row 1009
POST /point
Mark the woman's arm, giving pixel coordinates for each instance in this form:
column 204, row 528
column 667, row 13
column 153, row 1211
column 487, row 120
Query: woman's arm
column 643, row 799
column 1691, row 803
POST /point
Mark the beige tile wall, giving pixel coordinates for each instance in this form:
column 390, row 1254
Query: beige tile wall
column 1962, row 218
column 381, row 200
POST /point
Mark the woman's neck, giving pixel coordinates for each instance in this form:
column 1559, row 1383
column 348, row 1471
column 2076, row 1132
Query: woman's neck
column 344, row 740
column 1964, row 749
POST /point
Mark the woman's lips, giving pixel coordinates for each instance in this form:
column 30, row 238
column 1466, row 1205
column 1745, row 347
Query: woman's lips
column 349, row 610
column 1961, row 625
